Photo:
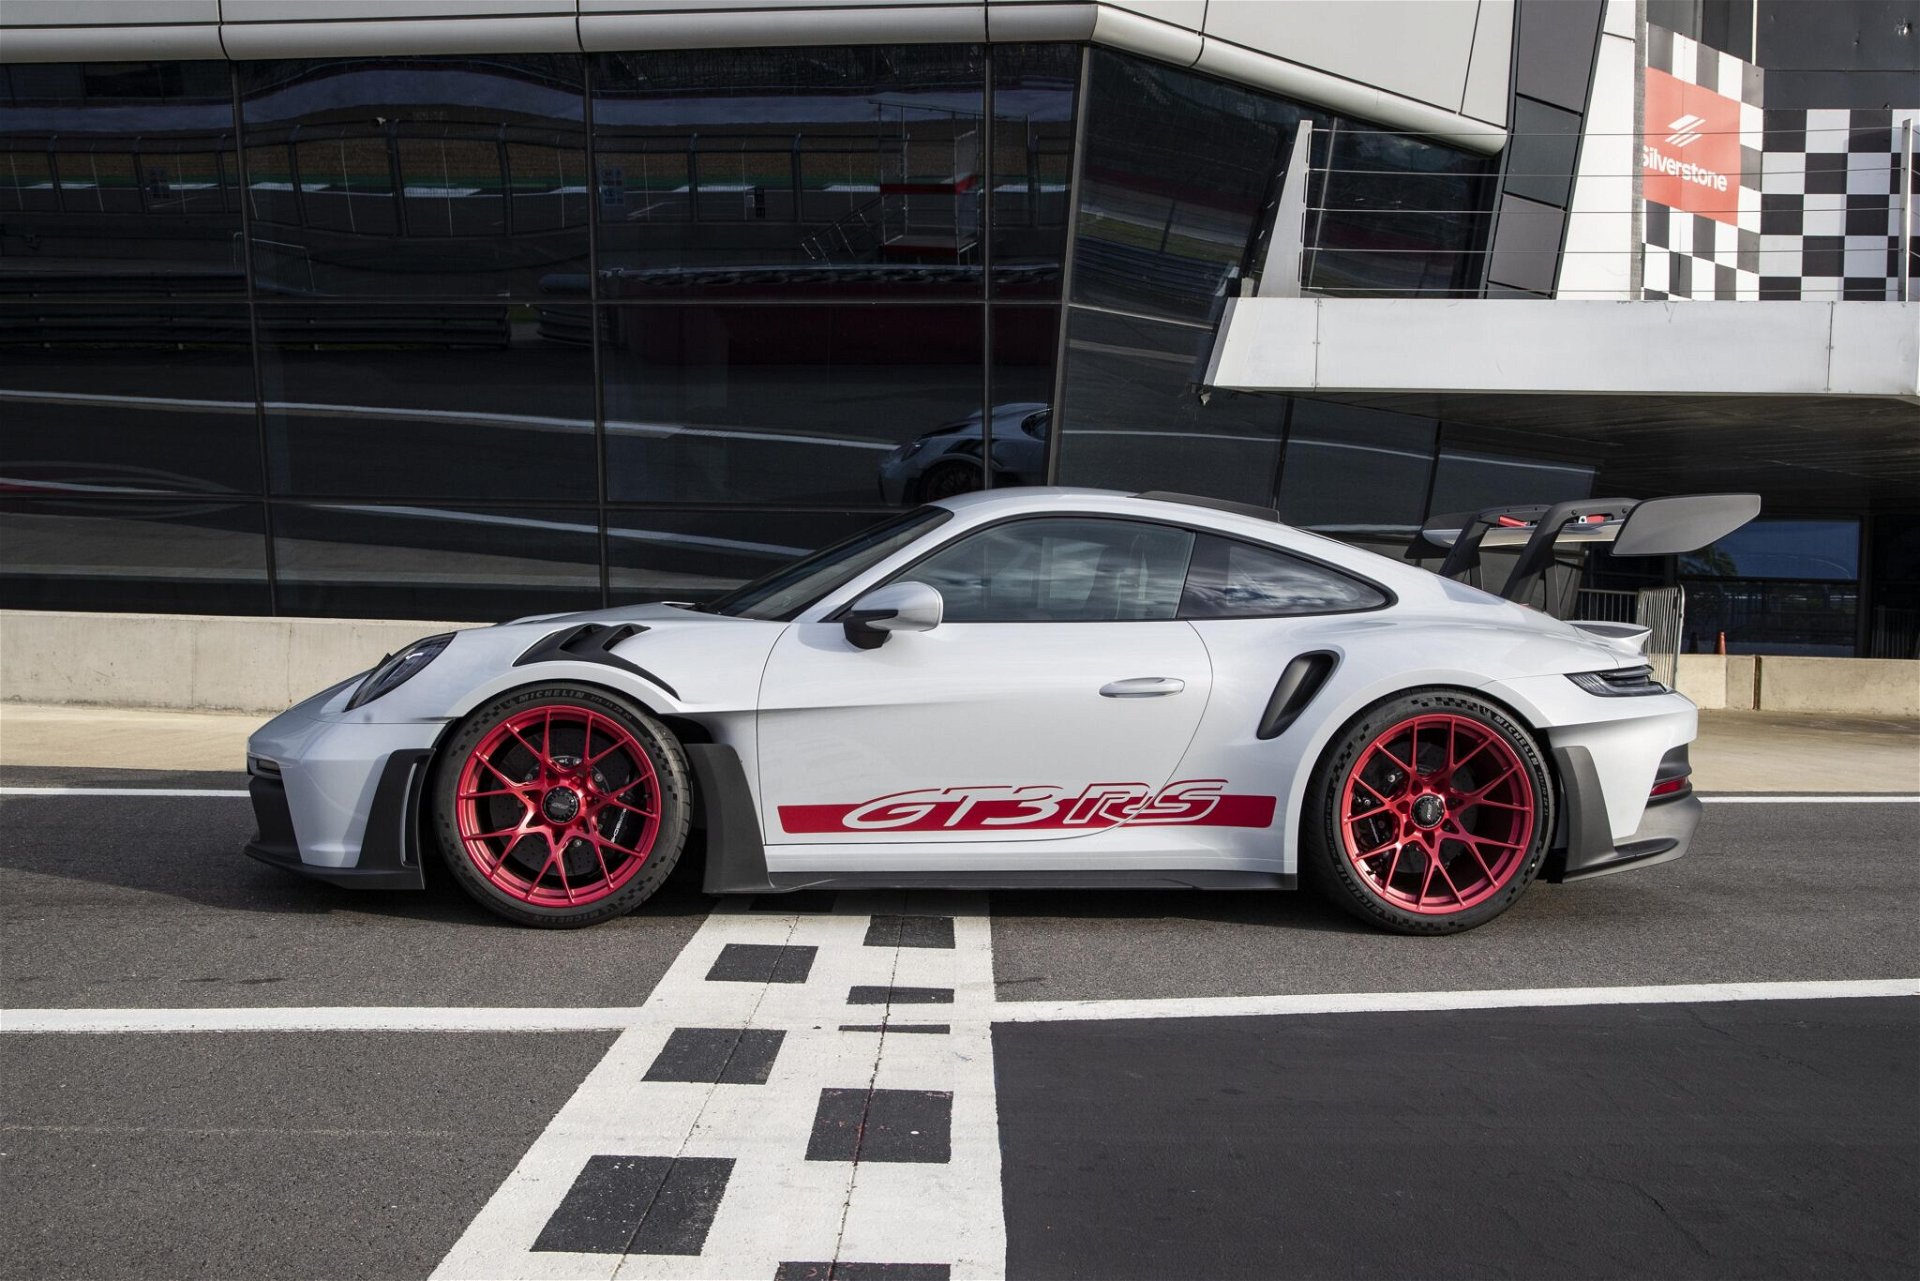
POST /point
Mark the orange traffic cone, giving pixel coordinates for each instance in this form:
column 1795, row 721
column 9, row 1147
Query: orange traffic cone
column 1722, row 650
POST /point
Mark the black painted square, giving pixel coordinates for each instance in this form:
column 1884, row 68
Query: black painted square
column 896, row 1126
column 725, row 1055
column 762, row 963
column 910, row 931
column 866, row 995
column 844, row 1271
column 638, row 1205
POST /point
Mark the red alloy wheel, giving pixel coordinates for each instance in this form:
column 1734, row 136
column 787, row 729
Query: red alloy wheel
column 1438, row 814
column 558, row 806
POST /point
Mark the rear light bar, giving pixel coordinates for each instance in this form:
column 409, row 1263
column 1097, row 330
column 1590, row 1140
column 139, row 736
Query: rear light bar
column 1670, row 786
column 1625, row 682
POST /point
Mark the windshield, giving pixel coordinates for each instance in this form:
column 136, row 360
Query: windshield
column 779, row 596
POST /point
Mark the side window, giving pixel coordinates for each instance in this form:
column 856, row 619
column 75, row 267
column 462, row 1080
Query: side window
column 1060, row 570
column 1239, row 580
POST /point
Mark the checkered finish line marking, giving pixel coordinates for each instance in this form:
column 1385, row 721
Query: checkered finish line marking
column 761, row 1117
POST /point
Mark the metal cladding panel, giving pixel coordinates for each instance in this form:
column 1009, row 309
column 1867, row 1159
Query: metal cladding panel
column 185, row 42
column 1485, row 97
column 107, row 13
column 1625, row 348
column 1598, row 258
column 549, row 34
column 1419, row 49
column 349, row 10
column 909, row 23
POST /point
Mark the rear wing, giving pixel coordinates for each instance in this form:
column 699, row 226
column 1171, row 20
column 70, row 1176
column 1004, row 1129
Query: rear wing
column 1627, row 526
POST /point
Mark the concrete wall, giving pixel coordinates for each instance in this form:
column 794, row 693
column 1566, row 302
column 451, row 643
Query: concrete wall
column 210, row 662
column 1782, row 683
column 201, row 662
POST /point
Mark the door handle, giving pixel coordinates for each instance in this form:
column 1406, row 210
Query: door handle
column 1143, row 687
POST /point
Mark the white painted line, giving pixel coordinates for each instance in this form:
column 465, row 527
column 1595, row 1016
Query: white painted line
column 121, row 791
column 1402, row 1002
column 324, row 1018
column 1726, row 799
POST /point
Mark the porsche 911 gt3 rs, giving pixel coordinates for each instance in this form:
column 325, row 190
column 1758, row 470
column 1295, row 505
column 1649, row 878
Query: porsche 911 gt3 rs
column 1025, row 687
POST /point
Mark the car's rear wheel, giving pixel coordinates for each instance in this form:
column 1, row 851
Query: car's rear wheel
column 947, row 480
column 1429, row 814
column 560, row 805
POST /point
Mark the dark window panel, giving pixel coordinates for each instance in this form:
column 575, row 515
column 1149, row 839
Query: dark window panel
column 127, row 398
column 119, row 180
column 436, row 402
column 1177, row 170
column 1133, row 418
column 1470, row 482
column 790, row 172
column 180, row 556
column 1394, row 216
column 1355, row 471
column 1804, row 549
column 365, row 560
column 696, row 555
column 803, row 404
column 429, row 177
column 1025, row 343
column 1032, row 173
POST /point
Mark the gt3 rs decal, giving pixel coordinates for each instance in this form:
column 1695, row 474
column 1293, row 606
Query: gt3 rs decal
column 1198, row 802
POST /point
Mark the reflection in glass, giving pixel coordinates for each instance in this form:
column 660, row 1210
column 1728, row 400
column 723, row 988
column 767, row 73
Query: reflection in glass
column 1807, row 549
column 1134, row 419
column 697, row 555
column 778, row 172
column 1772, row 616
column 119, row 179
column 1033, row 103
column 1177, row 169
column 180, row 556
column 127, row 398
column 1060, row 571
column 1392, row 215
column 408, row 177
column 1231, row 579
column 426, row 402
column 1353, row 471
column 370, row 561
column 800, row 404
column 1471, row 482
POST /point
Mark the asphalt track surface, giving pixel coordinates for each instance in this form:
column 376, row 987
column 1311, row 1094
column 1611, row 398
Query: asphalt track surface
column 1706, row 1138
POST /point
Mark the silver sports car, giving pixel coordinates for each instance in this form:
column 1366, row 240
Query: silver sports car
column 1024, row 687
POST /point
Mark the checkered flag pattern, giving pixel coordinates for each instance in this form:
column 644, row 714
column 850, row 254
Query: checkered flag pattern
column 1689, row 255
column 1819, row 201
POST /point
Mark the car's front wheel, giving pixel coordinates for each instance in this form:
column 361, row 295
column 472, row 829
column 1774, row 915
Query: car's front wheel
column 1429, row 814
column 560, row 805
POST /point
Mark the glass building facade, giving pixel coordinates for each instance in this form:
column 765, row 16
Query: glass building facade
column 464, row 337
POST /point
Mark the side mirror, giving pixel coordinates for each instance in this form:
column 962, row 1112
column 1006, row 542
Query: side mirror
column 897, row 607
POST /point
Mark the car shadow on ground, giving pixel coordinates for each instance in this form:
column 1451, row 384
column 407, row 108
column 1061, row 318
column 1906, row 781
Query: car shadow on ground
column 191, row 848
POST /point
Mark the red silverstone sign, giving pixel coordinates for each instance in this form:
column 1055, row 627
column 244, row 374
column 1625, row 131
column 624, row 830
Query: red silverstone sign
column 1690, row 149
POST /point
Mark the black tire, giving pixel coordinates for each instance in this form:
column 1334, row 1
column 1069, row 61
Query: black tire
column 1342, row 811
column 945, row 480
column 601, row 719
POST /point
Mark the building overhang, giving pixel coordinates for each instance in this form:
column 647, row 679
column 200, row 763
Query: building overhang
column 1567, row 348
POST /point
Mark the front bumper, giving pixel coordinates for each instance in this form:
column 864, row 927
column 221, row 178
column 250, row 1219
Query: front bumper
column 389, row 842
column 338, row 797
column 1587, row 847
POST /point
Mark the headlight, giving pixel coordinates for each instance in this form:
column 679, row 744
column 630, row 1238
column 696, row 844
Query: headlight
column 1626, row 682
column 396, row 670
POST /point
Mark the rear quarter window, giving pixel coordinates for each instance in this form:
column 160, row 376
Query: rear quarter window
column 1230, row 579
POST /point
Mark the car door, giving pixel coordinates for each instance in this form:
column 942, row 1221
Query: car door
column 1054, row 699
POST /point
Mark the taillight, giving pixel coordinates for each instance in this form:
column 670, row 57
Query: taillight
column 1669, row 786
